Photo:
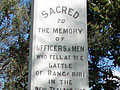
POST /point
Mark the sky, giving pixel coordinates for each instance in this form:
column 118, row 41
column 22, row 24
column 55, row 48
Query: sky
column 116, row 71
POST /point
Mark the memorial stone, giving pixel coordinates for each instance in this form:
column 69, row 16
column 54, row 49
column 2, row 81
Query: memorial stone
column 58, row 57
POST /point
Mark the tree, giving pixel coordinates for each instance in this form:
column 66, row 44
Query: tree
column 14, row 42
column 103, row 43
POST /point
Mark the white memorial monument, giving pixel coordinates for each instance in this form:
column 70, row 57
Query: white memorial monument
column 58, row 55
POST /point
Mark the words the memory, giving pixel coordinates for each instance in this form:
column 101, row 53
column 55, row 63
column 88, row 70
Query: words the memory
column 60, row 10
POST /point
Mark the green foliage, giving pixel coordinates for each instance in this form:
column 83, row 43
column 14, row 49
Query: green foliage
column 103, row 43
column 14, row 43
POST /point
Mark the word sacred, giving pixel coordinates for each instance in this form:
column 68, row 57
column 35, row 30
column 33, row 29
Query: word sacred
column 61, row 9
